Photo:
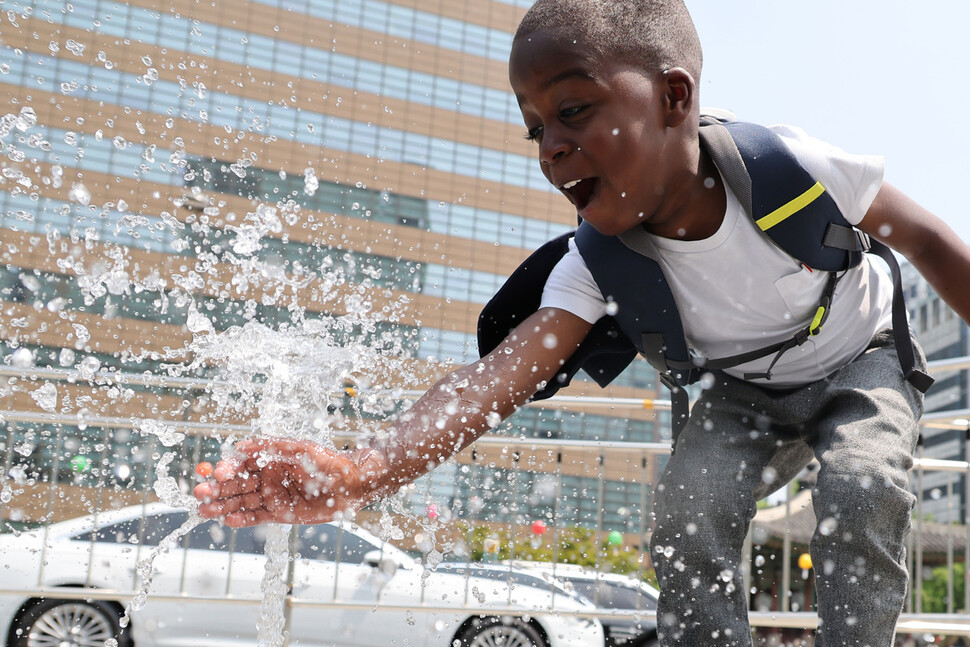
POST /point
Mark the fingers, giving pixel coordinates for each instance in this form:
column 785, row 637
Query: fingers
column 273, row 480
column 212, row 505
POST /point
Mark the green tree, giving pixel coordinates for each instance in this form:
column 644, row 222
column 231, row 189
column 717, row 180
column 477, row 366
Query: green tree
column 935, row 589
column 573, row 545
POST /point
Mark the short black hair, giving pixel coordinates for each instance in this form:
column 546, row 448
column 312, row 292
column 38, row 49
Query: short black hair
column 654, row 34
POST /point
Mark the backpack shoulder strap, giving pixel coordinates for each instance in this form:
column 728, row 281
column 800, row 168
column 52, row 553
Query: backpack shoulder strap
column 627, row 273
column 756, row 164
column 787, row 203
column 602, row 355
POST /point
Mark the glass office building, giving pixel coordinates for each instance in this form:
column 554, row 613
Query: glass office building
column 943, row 335
column 375, row 140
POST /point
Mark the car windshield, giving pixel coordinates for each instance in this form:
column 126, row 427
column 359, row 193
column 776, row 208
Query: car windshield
column 322, row 542
column 515, row 578
column 611, row 595
column 148, row 530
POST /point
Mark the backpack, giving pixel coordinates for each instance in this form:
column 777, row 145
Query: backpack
column 787, row 204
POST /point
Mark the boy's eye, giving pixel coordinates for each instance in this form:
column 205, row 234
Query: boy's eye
column 566, row 113
column 535, row 134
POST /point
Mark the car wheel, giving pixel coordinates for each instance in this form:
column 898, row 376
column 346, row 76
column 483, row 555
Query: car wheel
column 500, row 632
column 50, row 623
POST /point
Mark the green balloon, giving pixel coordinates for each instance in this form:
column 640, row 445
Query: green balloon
column 80, row 463
column 615, row 538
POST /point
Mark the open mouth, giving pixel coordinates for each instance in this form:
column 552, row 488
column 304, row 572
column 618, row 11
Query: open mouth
column 580, row 192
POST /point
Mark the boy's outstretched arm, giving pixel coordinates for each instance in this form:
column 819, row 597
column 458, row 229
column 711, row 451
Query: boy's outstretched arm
column 289, row 481
column 926, row 241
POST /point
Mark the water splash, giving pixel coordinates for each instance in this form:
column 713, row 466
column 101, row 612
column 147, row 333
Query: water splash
column 168, row 491
column 272, row 618
column 289, row 380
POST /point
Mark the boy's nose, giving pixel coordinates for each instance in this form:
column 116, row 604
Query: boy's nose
column 552, row 148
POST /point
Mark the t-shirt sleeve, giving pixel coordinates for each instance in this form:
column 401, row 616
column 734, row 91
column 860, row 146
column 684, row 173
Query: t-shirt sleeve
column 571, row 287
column 852, row 180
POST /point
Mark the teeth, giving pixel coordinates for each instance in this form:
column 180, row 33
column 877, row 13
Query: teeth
column 569, row 185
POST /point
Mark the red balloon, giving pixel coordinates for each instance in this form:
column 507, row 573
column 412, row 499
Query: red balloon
column 204, row 469
column 538, row 527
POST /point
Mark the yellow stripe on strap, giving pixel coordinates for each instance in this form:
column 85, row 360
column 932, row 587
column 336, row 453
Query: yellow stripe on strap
column 791, row 208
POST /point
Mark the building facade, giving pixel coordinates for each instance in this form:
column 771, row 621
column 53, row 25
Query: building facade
column 943, row 335
column 373, row 141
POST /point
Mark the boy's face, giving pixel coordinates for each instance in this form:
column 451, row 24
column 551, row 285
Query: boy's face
column 600, row 128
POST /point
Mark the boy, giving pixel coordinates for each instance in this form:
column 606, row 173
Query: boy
column 608, row 91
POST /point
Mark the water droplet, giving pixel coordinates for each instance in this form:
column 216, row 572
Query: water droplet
column 88, row 367
column 769, row 476
column 827, row 526
column 74, row 47
column 26, row 119
column 81, row 334
column 310, row 181
column 82, row 418
column 22, row 358
column 46, row 397
column 66, row 357
column 79, row 194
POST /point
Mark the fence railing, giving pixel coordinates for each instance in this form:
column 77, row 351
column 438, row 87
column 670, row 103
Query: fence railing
column 932, row 544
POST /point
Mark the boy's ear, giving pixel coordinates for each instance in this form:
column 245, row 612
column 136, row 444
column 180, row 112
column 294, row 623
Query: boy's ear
column 680, row 95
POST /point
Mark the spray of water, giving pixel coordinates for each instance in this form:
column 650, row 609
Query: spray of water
column 291, row 382
column 290, row 379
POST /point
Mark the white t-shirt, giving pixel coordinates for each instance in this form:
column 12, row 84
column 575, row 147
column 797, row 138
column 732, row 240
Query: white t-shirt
column 737, row 292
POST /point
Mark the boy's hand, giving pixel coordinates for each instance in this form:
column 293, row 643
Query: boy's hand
column 288, row 481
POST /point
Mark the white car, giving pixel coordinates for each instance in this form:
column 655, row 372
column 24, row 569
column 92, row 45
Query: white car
column 609, row 591
column 372, row 593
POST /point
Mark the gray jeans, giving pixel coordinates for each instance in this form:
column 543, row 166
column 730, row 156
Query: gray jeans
column 742, row 442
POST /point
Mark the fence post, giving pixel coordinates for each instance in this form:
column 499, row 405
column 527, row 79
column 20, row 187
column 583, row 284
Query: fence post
column 786, row 556
column 918, row 578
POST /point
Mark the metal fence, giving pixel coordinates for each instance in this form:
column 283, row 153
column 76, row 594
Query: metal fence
column 46, row 482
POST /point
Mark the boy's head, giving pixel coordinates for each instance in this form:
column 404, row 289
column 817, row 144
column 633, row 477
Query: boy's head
column 608, row 91
column 654, row 34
